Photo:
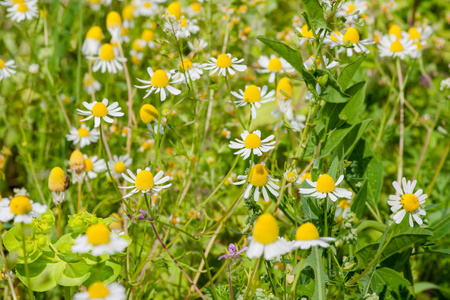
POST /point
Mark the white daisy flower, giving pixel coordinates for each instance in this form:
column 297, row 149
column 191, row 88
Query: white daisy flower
column 390, row 46
column 273, row 65
column 26, row 10
column 351, row 37
column 224, row 64
column 94, row 165
column 93, row 41
column 343, row 208
column 312, row 61
column 21, row 209
column 325, row 186
column 307, row 35
column 159, row 83
column 265, row 239
column 198, row 45
column 107, row 60
column 194, row 9
column 285, row 93
column 251, row 142
column 351, row 8
column 7, row 68
column 307, row 236
column 187, row 68
column 114, row 25
column 128, row 15
column 100, row 110
column 144, row 182
column 185, row 27
column 259, row 179
column 119, row 164
column 291, row 175
column 83, row 135
column 408, row 201
column 98, row 290
column 58, row 183
column 33, row 69
column 146, row 8
column 90, row 83
column 99, row 240
column 298, row 123
column 421, row 33
column 253, row 96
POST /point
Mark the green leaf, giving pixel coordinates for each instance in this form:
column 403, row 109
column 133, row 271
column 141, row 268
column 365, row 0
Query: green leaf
column 235, row 231
column 332, row 83
column 314, row 260
column 359, row 202
column 41, row 272
column 71, row 274
column 106, row 271
column 13, row 243
column 420, row 287
column 315, row 13
column 349, row 71
column 440, row 228
column 389, row 282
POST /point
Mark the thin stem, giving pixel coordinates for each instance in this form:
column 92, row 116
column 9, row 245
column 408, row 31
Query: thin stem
column 297, row 276
column 230, row 286
column 402, row 125
column 79, row 196
column 25, row 258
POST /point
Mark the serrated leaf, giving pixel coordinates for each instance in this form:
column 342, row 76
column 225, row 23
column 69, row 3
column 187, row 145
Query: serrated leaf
column 391, row 281
column 314, row 260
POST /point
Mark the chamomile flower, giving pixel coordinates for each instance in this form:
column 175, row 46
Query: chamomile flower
column 187, row 70
column 144, row 182
column 159, row 83
column 128, row 16
column 253, row 96
column 297, row 123
column 305, row 176
column 251, row 142
column 147, row 39
column 146, row 8
column 194, row 9
column 119, row 164
column 99, row 291
column 83, row 135
column 107, row 60
column 285, row 93
column 407, row 202
column 306, row 34
column 224, row 64
column 325, row 186
column 291, row 175
column 198, row 45
column 24, row 10
column 184, row 28
column 7, row 68
column 58, row 183
column 391, row 46
column 351, row 8
column 99, row 240
column 20, row 208
column 259, row 179
column 100, row 110
column 343, row 208
column 265, row 239
column 77, row 166
column 94, row 165
column 273, row 65
column 114, row 25
column 173, row 11
column 307, row 236
column 312, row 62
column 419, row 36
column 351, row 37
column 90, row 84
column 93, row 41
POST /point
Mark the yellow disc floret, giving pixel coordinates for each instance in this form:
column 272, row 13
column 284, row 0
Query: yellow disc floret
column 291, row 176
column 148, row 113
column 325, row 184
column 22, row 7
column 395, row 30
column 160, row 79
column 265, row 230
column 186, row 64
column 414, row 34
column 410, row 202
column 351, row 35
column 285, row 90
column 127, row 12
column 98, row 290
column 252, row 94
column 76, row 162
column 174, row 9
column 95, row 32
column 223, row 61
column 20, row 205
column 305, row 176
column 144, row 180
column 98, row 234
column 107, row 52
column 2, row 63
column 83, row 132
column 147, row 35
column 89, row 164
column 113, row 20
column 350, row 8
column 305, row 32
column 57, row 180
column 307, row 232
column 119, row 167
column 344, row 204
column 252, row 141
column 258, row 175
column 99, row 110
column 396, row 46
column 275, row 65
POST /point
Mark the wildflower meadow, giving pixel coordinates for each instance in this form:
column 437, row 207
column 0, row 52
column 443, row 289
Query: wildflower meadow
column 224, row 149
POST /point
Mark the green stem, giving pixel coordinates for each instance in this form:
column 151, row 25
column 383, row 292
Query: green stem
column 234, row 105
column 297, row 276
column 25, row 258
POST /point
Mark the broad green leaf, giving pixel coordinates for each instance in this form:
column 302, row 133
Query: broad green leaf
column 349, row 71
column 388, row 282
column 71, row 274
column 440, row 228
column 106, row 271
column 420, row 287
column 13, row 243
column 315, row 13
column 359, row 202
column 42, row 273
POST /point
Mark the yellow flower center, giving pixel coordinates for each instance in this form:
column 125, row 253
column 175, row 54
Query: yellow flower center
column 98, row 290
column 410, row 202
column 147, row 4
column 285, row 85
column 119, row 167
column 291, row 176
column 223, row 61
column 95, row 32
column 83, row 132
column 395, row 30
column 57, row 180
column 186, row 64
column 350, row 8
column 107, row 52
column 325, row 184
column 252, row 141
column 20, row 205
column 307, row 232
column 305, row 32
column 306, row 176
column 2, row 63
column 351, row 35
column 333, row 36
column 196, row 7
column 258, row 175
column 89, row 164
column 265, row 230
column 113, row 20
column 18, row 1
column 396, row 46
column 22, row 7
column 98, row 234
column 76, row 162
column 99, row 109
column 127, row 12
column 344, row 204
column 275, row 65
column 144, row 180
column 419, row 45
column 148, row 35
column 183, row 22
column 148, row 113
column 160, row 79
column 252, row 94
column 174, row 9
column 414, row 34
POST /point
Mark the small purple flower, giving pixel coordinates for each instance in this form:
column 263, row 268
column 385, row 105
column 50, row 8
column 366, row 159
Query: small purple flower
column 233, row 252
